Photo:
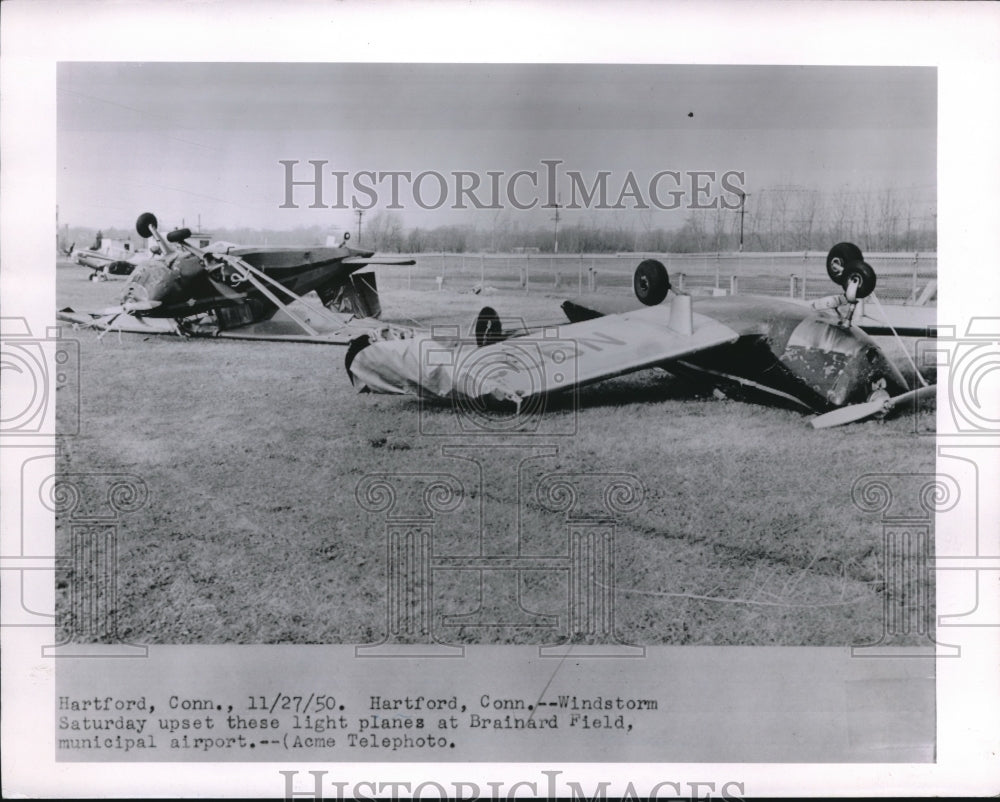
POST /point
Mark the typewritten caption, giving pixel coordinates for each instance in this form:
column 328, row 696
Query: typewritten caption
column 280, row 721
column 309, row 703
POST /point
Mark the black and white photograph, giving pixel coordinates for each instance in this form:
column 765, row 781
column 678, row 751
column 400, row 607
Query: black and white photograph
column 725, row 312
column 394, row 409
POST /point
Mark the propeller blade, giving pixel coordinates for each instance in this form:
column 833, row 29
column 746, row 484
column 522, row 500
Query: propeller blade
column 850, row 414
column 920, row 392
column 857, row 412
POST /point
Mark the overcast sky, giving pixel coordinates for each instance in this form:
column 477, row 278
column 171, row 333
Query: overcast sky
column 189, row 139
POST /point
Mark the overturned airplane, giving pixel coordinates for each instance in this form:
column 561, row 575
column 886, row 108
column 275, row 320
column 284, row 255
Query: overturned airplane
column 812, row 357
column 108, row 258
column 239, row 292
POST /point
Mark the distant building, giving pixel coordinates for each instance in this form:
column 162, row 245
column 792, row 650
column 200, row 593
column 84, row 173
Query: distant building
column 199, row 239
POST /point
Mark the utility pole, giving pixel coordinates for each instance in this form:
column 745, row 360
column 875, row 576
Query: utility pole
column 555, row 236
column 360, row 214
column 743, row 207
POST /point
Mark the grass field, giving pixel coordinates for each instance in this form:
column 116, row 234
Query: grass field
column 745, row 534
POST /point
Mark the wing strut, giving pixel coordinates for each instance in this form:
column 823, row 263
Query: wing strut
column 258, row 278
column 255, row 277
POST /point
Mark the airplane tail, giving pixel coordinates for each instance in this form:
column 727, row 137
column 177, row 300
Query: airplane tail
column 487, row 328
column 356, row 346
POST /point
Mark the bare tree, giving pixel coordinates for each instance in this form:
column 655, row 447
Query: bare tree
column 385, row 231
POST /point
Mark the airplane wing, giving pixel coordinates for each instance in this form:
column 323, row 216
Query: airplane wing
column 280, row 328
column 874, row 319
column 378, row 260
column 117, row 319
column 91, row 259
column 331, row 327
column 907, row 321
column 551, row 360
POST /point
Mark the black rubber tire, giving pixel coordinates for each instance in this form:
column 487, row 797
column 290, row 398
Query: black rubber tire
column 143, row 224
column 488, row 329
column 866, row 279
column 842, row 256
column 651, row 282
column 179, row 235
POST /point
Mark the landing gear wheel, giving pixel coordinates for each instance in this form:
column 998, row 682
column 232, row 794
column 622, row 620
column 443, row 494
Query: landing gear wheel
column 842, row 256
column 146, row 221
column 861, row 278
column 651, row 282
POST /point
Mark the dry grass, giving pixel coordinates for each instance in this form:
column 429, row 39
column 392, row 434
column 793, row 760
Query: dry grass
column 252, row 452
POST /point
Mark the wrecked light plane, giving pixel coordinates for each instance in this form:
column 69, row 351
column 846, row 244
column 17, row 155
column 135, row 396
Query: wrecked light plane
column 812, row 357
column 249, row 293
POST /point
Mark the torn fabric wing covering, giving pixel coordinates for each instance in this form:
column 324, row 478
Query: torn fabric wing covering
column 549, row 360
column 333, row 328
column 116, row 319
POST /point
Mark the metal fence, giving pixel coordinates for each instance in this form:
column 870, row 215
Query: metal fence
column 903, row 278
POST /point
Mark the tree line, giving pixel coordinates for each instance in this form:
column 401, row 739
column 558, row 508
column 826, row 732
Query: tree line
column 779, row 219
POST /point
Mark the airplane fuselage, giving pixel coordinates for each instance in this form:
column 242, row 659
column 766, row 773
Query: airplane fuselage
column 179, row 286
column 785, row 351
column 810, row 355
